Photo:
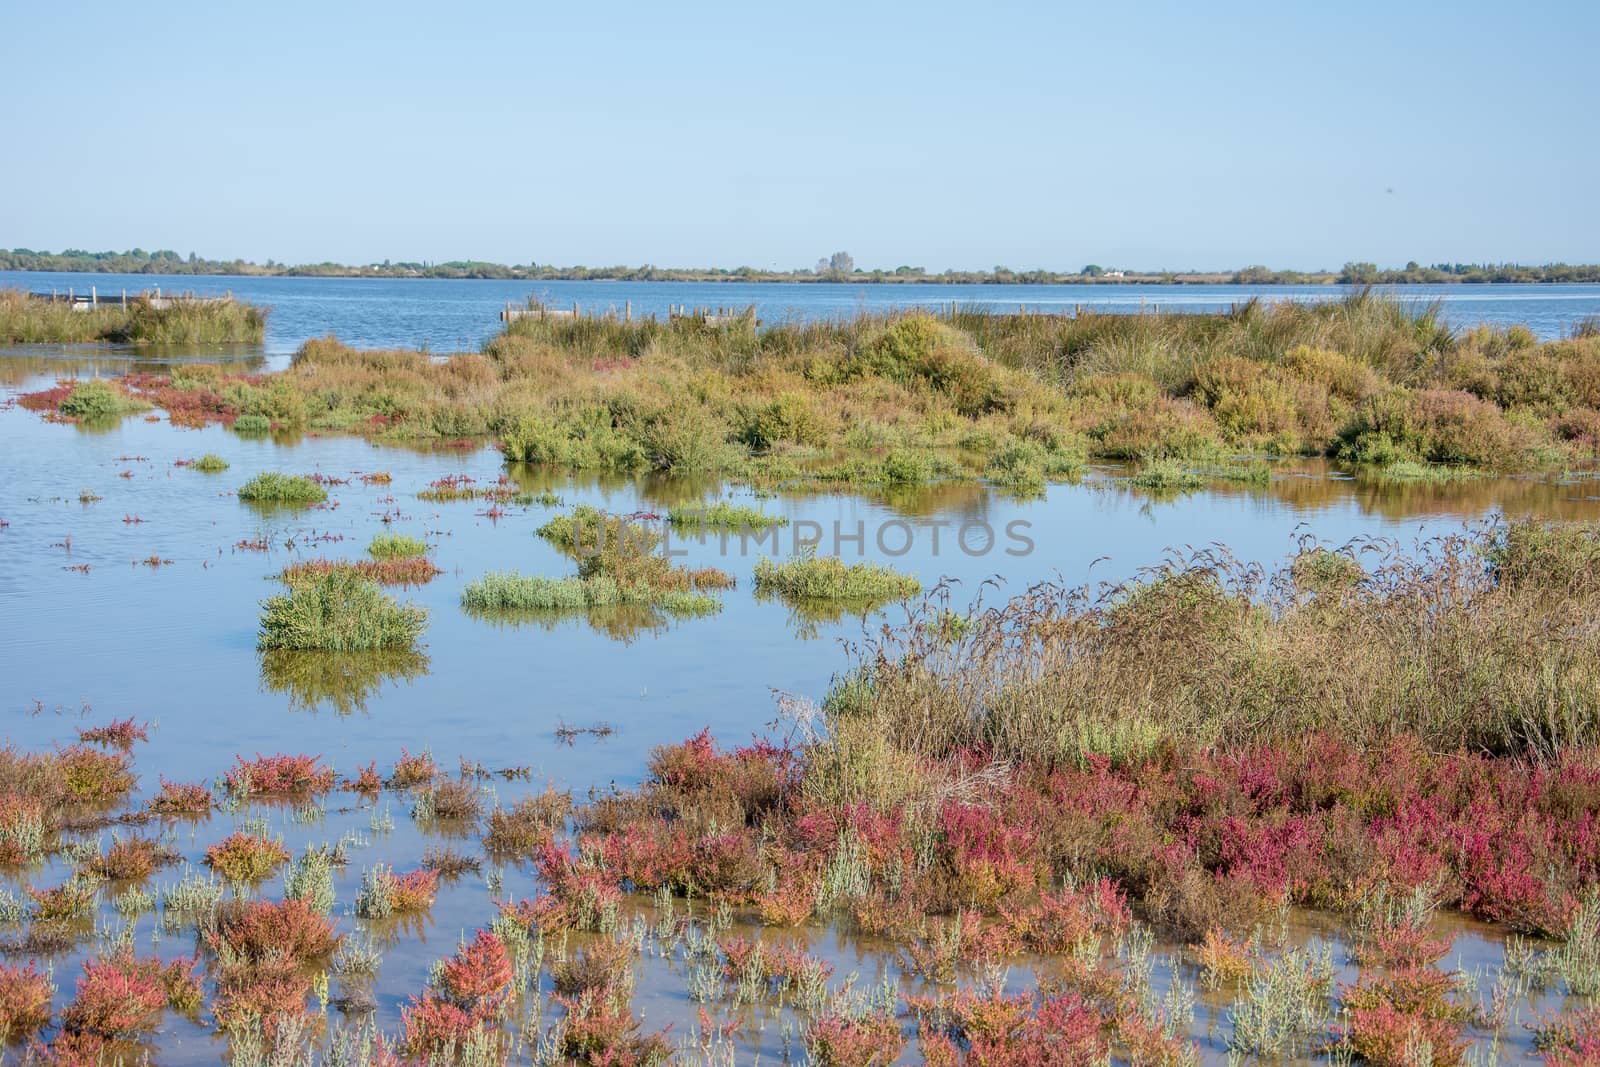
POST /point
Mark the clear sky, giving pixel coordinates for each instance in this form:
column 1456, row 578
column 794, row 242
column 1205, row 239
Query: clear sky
column 1147, row 135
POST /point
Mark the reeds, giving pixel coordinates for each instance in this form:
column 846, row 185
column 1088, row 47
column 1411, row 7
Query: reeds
column 1205, row 651
column 26, row 320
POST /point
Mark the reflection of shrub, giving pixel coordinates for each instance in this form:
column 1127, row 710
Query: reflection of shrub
column 344, row 681
column 339, row 613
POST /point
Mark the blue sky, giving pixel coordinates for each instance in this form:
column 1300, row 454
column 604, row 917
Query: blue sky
column 1032, row 135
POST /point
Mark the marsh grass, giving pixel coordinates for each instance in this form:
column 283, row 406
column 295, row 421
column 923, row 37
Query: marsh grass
column 722, row 515
column 339, row 612
column 396, row 546
column 210, row 463
column 25, row 320
column 1477, row 642
column 618, row 566
column 904, row 398
column 812, row 577
column 406, row 570
column 273, row 488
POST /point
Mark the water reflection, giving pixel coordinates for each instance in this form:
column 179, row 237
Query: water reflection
column 623, row 623
column 21, row 364
column 343, row 681
column 810, row 619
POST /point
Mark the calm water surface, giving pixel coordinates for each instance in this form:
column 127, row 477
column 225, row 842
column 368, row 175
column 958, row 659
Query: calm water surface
column 459, row 315
column 175, row 644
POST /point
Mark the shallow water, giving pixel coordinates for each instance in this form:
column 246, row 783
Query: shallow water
column 175, row 644
column 459, row 315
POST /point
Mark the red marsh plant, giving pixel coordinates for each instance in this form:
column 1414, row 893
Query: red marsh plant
column 181, row 798
column 464, row 1000
column 1389, row 1016
column 411, row 570
column 256, row 929
column 385, row 894
column 243, row 857
column 1571, row 1040
column 410, row 771
column 1025, row 1029
column 367, row 780
column 279, row 776
column 527, row 824
column 22, row 829
column 119, row 733
column 838, row 1039
column 132, row 859
column 599, row 1028
column 25, row 997
column 119, row 996
column 72, row 901
column 264, row 949
column 94, row 777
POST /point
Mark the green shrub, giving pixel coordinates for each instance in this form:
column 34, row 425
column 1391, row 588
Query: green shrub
column 723, row 516
column 252, row 424
column 274, row 488
column 93, row 400
column 811, row 577
column 511, row 591
column 396, row 546
column 339, row 613
column 1167, row 474
column 211, row 463
column 1025, row 466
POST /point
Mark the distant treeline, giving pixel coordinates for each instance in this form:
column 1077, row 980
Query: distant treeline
column 839, row 267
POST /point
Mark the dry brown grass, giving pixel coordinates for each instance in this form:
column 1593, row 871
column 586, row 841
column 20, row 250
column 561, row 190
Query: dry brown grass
column 1484, row 641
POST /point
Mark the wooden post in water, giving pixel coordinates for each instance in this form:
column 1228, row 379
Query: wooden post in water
column 627, row 311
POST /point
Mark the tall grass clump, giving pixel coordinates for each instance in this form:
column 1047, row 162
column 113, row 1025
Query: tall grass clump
column 339, row 612
column 1480, row 642
column 722, row 515
column 272, row 487
column 26, row 320
column 812, row 577
column 396, row 546
column 617, row 565
column 510, row 591
column 210, row 463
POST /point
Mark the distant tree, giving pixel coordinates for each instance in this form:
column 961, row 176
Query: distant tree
column 841, row 263
column 1359, row 274
column 1093, row 270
